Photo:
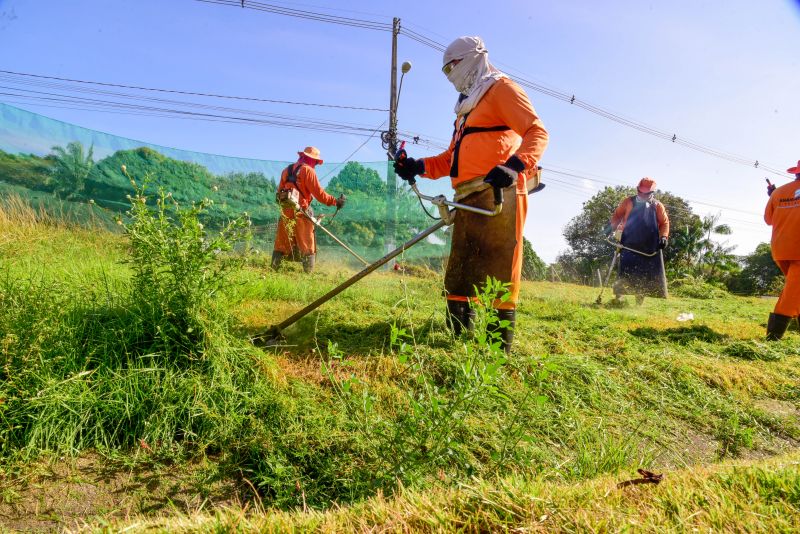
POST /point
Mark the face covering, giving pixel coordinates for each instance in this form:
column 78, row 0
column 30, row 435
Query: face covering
column 473, row 75
column 464, row 74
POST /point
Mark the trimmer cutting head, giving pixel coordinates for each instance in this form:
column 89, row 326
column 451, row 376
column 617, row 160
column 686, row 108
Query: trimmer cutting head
column 273, row 337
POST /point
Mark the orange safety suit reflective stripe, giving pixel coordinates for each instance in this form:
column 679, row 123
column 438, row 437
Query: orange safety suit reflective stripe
column 295, row 230
column 490, row 246
column 783, row 214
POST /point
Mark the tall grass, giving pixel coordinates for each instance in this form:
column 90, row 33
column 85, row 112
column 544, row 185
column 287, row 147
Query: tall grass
column 156, row 354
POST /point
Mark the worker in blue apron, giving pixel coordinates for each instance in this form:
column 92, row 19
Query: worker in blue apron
column 643, row 231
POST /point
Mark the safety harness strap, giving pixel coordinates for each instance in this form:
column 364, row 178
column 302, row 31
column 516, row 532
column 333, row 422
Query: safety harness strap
column 467, row 131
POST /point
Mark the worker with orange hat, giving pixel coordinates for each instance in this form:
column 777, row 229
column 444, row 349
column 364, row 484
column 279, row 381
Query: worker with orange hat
column 783, row 214
column 298, row 186
column 497, row 142
column 642, row 225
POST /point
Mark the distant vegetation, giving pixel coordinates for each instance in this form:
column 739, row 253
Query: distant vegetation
column 70, row 174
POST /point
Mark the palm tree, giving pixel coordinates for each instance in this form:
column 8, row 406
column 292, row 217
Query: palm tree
column 71, row 168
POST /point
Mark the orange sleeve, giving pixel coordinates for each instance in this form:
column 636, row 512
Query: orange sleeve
column 769, row 210
column 439, row 165
column 516, row 111
column 663, row 220
column 620, row 214
column 310, row 180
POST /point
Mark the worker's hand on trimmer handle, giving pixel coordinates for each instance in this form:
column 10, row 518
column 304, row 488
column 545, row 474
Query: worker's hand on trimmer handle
column 662, row 243
column 503, row 175
column 340, row 201
column 408, row 168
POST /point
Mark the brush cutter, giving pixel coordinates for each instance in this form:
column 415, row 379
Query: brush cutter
column 290, row 198
column 317, row 221
column 618, row 247
column 447, row 209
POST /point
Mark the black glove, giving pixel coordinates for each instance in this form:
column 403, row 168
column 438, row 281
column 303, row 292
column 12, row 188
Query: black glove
column 340, row 201
column 503, row 175
column 662, row 243
column 408, row 168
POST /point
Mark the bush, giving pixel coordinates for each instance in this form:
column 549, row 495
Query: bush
column 696, row 287
column 178, row 268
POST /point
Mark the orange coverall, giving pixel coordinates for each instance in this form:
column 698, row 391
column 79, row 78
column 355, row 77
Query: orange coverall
column 301, row 236
column 783, row 214
column 483, row 245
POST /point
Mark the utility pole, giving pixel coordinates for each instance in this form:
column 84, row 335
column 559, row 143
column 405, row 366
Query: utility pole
column 391, row 179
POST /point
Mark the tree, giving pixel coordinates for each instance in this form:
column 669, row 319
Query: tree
column 353, row 178
column 70, row 169
column 759, row 274
column 697, row 253
column 533, row 268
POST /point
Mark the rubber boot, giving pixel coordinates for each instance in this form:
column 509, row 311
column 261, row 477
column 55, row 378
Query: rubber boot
column 460, row 317
column 308, row 262
column 776, row 326
column 276, row 259
column 506, row 332
column 617, row 288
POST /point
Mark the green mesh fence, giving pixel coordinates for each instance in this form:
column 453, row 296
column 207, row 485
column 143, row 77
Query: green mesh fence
column 377, row 216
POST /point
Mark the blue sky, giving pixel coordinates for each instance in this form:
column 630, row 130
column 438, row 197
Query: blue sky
column 723, row 73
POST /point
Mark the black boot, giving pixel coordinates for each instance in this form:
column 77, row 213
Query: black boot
column 506, row 332
column 308, row 262
column 459, row 317
column 776, row 326
column 276, row 259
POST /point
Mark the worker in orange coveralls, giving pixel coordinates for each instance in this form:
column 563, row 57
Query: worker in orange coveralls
column 641, row 223
column 298, row 186
column 783, row 214
column 497, row 142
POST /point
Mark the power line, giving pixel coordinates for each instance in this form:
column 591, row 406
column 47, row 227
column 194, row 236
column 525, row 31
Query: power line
column 100, row 105
column 193, row 93
column 701, row 202
column 538, row 87
column 126, row 96
column 570, row 187
column 304, row 14
column 630, row 123
column 354, row 152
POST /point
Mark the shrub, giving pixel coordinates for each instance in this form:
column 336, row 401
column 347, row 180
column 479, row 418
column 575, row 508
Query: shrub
column 178, row 267
column 697, row 288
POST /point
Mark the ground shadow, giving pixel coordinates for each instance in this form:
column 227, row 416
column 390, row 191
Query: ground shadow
column 681, row 335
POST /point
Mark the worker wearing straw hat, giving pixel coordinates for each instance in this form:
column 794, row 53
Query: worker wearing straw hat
column 783, row 214
column 298, row 186
column 642, row 227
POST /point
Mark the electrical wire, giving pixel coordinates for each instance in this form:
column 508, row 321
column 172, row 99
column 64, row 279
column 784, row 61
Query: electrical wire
column 193, row 93
column 630, row 123
column 304, row 14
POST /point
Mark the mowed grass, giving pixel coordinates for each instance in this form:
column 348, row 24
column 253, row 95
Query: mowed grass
column 738, row 496
column 626, row 387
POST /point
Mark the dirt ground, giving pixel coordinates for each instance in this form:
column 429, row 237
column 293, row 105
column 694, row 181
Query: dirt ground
column 66, row 493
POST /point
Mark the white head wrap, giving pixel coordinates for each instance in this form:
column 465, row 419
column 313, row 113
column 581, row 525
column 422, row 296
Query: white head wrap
column 473, row 75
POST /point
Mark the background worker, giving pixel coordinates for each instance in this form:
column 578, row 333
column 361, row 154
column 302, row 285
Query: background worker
column 497, row 141
column 783, row 214
column 298, row 186
column 642, row 224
